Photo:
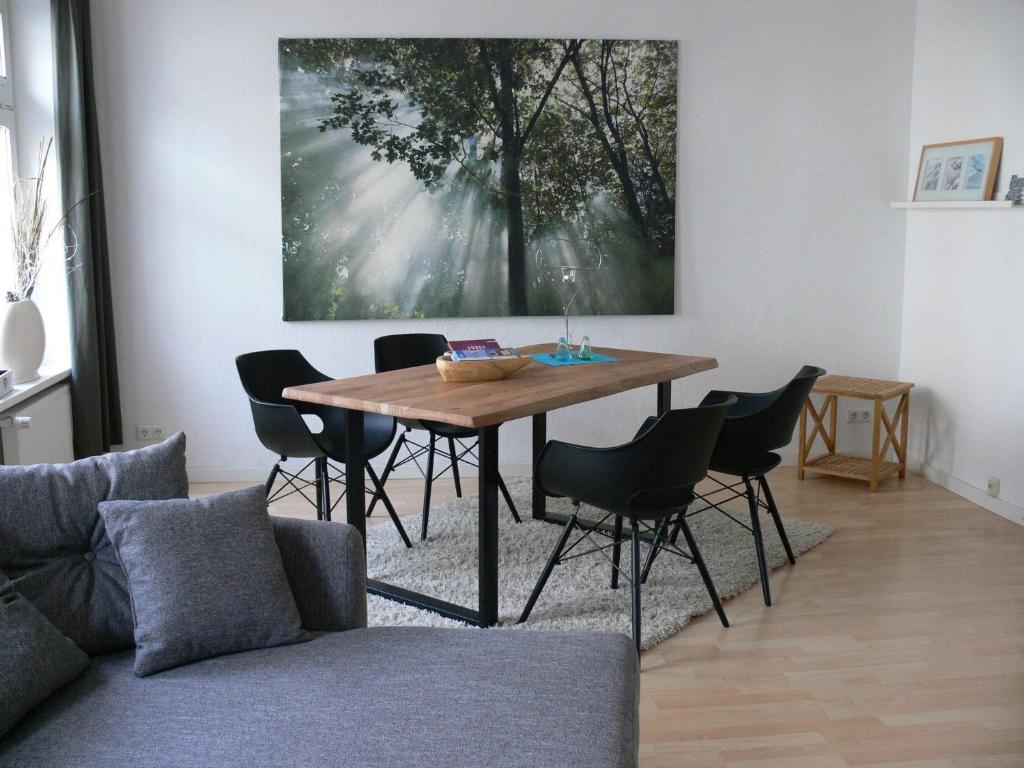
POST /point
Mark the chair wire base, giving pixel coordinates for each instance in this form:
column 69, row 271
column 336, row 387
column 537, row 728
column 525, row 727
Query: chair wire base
column 589, row 531
column 325, row 473
column 457, row 452
column 712, row 500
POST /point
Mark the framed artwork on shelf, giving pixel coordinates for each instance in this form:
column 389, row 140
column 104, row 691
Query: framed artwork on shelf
column 958, row 170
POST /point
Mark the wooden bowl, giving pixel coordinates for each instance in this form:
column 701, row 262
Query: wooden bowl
column 492, row 369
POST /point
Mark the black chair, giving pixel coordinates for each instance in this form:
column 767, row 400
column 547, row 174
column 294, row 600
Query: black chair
column 282, row 430
column 648, row 482
column 407, row 350
column 759, row 424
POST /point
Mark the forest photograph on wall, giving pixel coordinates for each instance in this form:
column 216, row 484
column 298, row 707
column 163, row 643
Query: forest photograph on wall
column 456, row 177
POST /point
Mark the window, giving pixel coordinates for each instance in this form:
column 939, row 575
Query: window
column 7, row 154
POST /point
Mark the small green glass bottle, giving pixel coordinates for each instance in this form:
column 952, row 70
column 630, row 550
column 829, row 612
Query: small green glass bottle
column 562, row 351
column 585, row 352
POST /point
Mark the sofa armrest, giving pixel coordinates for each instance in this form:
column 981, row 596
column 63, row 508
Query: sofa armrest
column 326, row 569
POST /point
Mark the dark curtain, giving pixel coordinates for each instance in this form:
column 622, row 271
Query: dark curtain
column 95, row 398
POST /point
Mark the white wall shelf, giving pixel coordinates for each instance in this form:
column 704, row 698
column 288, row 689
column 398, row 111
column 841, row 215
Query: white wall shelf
column 989, row 204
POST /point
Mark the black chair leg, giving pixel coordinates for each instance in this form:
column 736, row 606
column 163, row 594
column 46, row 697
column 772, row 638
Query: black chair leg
column 426, row 490
column 698, row 560
column 659, row 536
column 269, row 486
column 508, row 499
column 388, row 468
column 678, row 527
column 774, row 512
column 380, row 493
column 548, row 567
column 318, row 483
column 635, row 536
column 326, row 469
column 455, row 467
column 755, row 526
column 616, row 551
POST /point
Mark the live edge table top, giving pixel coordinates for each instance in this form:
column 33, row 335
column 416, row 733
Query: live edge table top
column 421, row 393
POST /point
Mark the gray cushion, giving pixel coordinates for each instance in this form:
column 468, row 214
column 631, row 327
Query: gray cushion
column 35, row 658
column 397, row 696
column 53, row 545
column 326, row 570
column 205, row 577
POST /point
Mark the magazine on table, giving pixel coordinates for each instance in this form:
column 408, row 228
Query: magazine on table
column 479, row 349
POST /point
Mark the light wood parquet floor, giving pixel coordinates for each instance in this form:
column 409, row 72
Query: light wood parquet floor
column 897, row 643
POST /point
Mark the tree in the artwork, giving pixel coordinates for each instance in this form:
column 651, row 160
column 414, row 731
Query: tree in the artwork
column 625, row 91
column 418, row 101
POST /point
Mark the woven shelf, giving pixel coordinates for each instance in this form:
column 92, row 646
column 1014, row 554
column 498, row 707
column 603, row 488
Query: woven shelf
column 854, row 467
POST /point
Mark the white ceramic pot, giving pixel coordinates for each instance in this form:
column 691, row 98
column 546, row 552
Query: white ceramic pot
column 22, row 339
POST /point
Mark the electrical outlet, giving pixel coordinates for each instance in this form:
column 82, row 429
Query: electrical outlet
column 146, row 433
column 858, row 415
column 993, row 487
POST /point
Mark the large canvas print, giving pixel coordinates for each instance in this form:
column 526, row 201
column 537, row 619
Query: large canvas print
column 477, row 177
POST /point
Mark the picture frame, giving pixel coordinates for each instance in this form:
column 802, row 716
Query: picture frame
column 958, row 170
column 411, row 189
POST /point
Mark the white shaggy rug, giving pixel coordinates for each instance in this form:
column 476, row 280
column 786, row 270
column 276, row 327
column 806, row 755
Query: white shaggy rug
column 577, row 595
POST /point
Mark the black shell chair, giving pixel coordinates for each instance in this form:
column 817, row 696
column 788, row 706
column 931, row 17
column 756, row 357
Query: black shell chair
column 283, row 431
column 407, row 350
column 648, row 481
column 758, row 425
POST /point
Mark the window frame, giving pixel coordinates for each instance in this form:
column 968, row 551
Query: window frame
column 8, row 123
column 6, row 75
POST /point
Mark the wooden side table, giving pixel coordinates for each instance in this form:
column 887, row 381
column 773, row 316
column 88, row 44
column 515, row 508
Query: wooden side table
column 856, row 467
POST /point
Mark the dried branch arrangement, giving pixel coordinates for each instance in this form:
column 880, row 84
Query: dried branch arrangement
column 28, row 225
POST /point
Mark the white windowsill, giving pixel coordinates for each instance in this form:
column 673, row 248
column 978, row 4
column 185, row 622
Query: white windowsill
column 23, row 392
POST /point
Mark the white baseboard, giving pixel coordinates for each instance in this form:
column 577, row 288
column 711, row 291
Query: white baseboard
column 959, row 487
column 1003, row 508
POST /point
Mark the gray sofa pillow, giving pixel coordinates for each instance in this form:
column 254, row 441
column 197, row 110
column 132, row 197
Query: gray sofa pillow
column 35, row 658
column 52, row 540
column 205, row 577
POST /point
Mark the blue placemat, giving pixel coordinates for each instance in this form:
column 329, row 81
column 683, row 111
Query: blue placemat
column 548, row 359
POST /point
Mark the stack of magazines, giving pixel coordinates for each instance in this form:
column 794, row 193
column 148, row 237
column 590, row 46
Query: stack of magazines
column 479, row 349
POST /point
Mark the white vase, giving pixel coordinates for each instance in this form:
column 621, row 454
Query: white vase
column 22, row 339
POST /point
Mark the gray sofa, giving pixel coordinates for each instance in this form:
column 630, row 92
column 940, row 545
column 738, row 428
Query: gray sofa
column 353, row 696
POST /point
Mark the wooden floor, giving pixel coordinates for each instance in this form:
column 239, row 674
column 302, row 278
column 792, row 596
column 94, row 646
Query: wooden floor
column 898, row 642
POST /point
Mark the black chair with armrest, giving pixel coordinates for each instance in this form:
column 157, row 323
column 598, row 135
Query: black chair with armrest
column 283, row 431
column 757, row 425
column 647, row 482
column 407, row 350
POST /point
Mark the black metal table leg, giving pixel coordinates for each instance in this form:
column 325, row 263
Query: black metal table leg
column 540, row 439
column 355, row 475
column 664, row 396
column 488, row 555
column 487, row 615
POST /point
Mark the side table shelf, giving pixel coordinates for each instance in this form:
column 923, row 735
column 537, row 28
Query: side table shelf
column 870, row 469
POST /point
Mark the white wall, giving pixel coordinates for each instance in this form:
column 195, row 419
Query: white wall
column 794, row 119
column 963, row 316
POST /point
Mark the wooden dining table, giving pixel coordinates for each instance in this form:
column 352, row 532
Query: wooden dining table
column 420, row 393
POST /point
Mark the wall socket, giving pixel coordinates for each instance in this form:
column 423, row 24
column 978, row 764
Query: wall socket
column 993, row 487
column 146, row 433
column 858, row 415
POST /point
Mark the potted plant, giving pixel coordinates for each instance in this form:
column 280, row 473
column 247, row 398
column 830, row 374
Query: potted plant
column 22, row 332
